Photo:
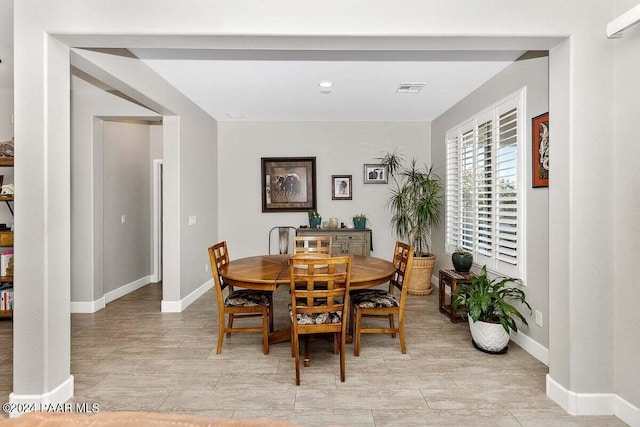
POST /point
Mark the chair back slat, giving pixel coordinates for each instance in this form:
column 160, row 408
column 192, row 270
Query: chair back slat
column 403, row 260
column 313, row 244
column 319, row 284
column 218, row 252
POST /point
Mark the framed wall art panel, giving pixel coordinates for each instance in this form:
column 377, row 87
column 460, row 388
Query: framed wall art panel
column 540, row 146
column 288, row 184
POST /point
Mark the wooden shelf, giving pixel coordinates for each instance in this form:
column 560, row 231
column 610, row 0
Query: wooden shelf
column 6, row 238
column 6, row 279
column 6, row 198
column 6, row 161
column 6, row 314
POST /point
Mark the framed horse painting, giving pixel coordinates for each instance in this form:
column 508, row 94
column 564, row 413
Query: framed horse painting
column 288, row 184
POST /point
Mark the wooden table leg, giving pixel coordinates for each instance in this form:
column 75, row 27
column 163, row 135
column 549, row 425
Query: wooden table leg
column 281, row 335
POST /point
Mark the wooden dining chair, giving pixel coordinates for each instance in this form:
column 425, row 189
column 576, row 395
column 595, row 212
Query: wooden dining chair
column 241, row 303
column 319, row 309
column 380, row 303
column 221, row 255
column 312, row 244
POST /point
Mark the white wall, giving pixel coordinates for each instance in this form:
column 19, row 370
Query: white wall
column 6, row 113
column 340, row 148
column 583, row 110
column 533, row 74
column 627, row 206
column 88, row 103
column 127, row 175
column 189, row 150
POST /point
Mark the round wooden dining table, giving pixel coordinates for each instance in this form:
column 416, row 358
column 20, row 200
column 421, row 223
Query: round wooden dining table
column 267, row 272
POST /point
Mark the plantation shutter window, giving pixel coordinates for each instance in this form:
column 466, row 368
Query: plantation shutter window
column 483, row 187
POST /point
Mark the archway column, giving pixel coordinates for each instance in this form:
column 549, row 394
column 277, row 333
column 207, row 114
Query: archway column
column 41, row 362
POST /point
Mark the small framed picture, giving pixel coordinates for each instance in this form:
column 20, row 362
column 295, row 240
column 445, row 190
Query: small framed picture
column 341, row 187
column 375, row 174
column 540, row 146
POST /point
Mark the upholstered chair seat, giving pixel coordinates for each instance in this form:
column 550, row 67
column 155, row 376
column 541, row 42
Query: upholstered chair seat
column 315, row 318
column 373, row 298
column 248, row 298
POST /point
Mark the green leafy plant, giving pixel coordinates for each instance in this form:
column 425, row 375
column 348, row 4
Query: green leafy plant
column 491, row 300
column 360, row 216
column 415, row 201
column 313, row 213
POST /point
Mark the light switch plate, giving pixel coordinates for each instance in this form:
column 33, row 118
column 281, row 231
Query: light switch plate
column 192, row 220
column 538, row 318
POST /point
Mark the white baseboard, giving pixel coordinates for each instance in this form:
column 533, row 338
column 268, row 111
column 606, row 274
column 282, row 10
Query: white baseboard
column 626, row 411
column 179, row 306
column 126, row 289
column 592, row 403
column 531, row 346
column 40, row 402
column 93, row 306
column 87, row 307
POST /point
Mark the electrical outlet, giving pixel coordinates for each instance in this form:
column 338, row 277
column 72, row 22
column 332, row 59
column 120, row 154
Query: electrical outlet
column 539, row 318
column 192, row 220
column 123, row 219
column 206, row 268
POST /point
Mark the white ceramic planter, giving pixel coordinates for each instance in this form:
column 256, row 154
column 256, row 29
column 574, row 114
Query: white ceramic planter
column 489, row 336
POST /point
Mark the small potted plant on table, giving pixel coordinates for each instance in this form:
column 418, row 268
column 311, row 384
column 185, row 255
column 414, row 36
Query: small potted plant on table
column 462, row 260
column 360, row 221
column 314, row 218
column 490, row 311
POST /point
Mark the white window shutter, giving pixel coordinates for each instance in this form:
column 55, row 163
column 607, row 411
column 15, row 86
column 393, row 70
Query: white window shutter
column 483, row 188
column 452, row 192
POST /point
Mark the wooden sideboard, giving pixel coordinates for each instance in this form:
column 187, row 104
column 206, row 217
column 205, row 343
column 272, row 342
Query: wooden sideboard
column 344, row 241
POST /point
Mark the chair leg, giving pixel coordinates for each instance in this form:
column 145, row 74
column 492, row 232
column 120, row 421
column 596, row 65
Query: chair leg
column 271, row 314
column 265, row 330
column 352, row 311
column 220, row 333
column 230, row 325
column 391, row 325
column 342, row 357
column 336, row 341
column 307, row 357
column 403, row 345
column 356, row 336
column 296, row 354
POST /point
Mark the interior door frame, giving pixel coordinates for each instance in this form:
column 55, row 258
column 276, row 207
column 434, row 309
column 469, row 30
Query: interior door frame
column 156, row 270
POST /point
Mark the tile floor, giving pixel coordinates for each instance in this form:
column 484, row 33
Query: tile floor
column 129, row 356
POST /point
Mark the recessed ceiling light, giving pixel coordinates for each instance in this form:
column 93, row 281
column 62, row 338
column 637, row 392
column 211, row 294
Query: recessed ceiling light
column 325, row 84
column 236, row 115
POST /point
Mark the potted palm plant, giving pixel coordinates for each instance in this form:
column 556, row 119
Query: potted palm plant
column 415, row 203
column 490, row 310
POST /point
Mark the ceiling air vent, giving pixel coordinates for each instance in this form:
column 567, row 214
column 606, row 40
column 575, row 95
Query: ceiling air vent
column 413, row 87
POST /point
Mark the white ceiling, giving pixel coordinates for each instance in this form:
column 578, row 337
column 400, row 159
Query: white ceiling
column 283, row 86
column 276, row 85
